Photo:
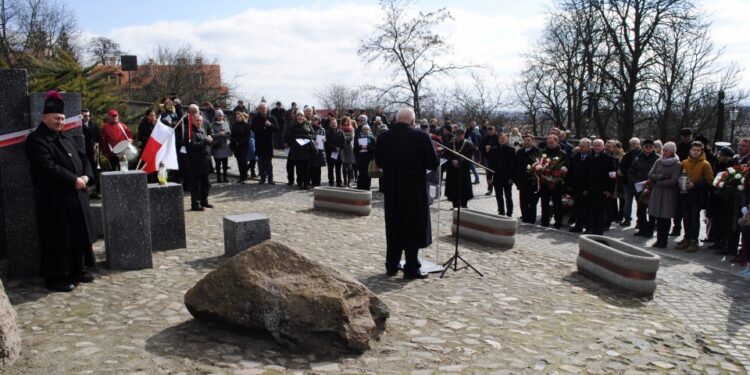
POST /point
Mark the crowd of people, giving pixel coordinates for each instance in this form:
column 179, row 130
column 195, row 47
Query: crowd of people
column 593, row 187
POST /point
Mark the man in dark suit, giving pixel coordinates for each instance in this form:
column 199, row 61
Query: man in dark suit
column 405, row 154
column 525, row 180
column 60, row 173
column 502, row 160
column 552, row 191
column 599, row 187
column 91, row 139
column 576, row 182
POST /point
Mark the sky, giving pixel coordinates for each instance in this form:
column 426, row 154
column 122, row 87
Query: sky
column 289, row 50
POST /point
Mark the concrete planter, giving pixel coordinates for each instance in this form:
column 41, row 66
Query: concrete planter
column 617, row 263
column 356, row 202
column 486, row 228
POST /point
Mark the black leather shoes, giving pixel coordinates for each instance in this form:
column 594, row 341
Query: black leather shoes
column 86, row 277
column 391, row 272
column 207, row 205
column 415, row 275
column 59, row 286
column 197, row 209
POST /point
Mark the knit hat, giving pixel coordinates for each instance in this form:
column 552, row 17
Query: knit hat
column 670, row 146
column 219, row 113
column 54, row 103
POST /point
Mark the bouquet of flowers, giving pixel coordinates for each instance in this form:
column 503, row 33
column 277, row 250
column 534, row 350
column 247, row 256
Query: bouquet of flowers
column 552, row 170
column 648, row 187
column 732, row 179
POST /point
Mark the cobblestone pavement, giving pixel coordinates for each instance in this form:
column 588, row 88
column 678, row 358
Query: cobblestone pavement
column 531, row 313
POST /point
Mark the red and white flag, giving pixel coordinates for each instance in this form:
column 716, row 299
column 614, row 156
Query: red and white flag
column 160, row 148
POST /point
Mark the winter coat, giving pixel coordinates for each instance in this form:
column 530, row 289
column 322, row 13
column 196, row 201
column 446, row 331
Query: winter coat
column 347, row 152
column 334, row 141
column 240, row 136
column 220, row 146
column 364, row 155
column 700, row 173
column 319, row 160
column 502, row 160
column 641, row 167
column 198, row 154
column 405, row 154
column 264, row 135
column 298, row 152
column 63, row 212
column 664, row 176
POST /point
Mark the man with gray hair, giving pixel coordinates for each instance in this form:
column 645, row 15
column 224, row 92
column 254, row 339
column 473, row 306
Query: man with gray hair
column 627, row 184
column 405, row 154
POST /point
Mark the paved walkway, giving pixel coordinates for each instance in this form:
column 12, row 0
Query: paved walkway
column 531, row 313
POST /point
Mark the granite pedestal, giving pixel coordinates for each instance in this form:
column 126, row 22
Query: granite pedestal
column 97, row 218
column 167, row 216
column 242, row 232
column 127, row 220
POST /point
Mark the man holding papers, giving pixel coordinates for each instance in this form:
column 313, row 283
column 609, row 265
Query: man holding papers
column 300, row 138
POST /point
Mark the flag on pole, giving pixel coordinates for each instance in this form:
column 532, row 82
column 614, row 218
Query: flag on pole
column 160, row 148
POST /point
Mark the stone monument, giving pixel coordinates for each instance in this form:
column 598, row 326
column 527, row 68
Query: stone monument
column 127, row 220
column 167, row 216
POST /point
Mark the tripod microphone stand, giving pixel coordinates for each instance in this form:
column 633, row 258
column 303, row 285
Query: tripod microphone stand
column 453, row 261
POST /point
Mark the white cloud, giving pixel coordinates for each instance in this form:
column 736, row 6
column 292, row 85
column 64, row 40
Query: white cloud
column 289, row 53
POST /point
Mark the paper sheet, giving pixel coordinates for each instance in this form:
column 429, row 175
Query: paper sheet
column 320, row 141
column 640, row 185
column 335, row 155
column 302, row 141
column 362, row 142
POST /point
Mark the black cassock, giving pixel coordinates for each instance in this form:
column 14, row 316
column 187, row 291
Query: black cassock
column 405, row 154
column 65, row 227
column 463, row 172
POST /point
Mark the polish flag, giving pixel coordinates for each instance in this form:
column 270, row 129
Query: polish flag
column 160, row 148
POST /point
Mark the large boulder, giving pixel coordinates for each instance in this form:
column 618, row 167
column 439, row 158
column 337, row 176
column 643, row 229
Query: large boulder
column 305, row 305
column 10, row 337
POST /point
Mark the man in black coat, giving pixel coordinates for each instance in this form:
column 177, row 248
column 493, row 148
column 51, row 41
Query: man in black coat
column 333, row 145
column 279, row 113
column 599, row 187
column 576, row 183
column 60, row 173
column 638, row 172
column 264, row 126
column 525, row 180
column 627, row 185
column 405, row 154
column 91, row 138
column 458, row 170
column 553, row 191
column 502, row 160
column 489, row 141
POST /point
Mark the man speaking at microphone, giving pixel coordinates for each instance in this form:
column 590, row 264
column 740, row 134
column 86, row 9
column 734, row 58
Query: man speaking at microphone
column 406, row 154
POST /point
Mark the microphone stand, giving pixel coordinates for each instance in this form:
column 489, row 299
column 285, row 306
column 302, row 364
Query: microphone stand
column 453, row 261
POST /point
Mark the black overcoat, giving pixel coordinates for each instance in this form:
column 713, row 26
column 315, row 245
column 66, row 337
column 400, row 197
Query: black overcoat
column 465, row 148
column 264, row 135
column 63, row 215
column 503, row 162
column 405, row 154
column 198, row 159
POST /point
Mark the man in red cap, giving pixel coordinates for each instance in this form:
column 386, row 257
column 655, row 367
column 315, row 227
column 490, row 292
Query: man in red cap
column 60, row 173
column 114, row 132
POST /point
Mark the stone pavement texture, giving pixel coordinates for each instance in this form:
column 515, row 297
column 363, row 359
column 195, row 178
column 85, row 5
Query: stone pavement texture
column 531, row 313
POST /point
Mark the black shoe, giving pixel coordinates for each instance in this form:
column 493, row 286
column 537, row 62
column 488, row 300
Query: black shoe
column 59, row 286
column 330, row 184
column 415, row 275
column 643, row 234
column 391, row 272
column 675, row 232
column 475, row 183
column 557, row 225
column 576, row 229
column 261, row 182
column 206, row 205
column 659, row 244
column 290, row 183
column 339, row 185
column 717, row 246
column 489, row 192
column 240, row 181
column 197, row 209
column 271, row 183
column 625, row 223
column 544, row 224
column 86, row 278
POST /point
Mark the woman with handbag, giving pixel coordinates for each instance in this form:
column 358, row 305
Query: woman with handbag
column 364, row 148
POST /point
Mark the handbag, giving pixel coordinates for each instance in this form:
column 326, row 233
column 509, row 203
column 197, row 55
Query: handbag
column 373, row 170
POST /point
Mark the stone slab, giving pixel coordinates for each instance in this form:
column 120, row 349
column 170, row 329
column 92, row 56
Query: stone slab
column 242, row 232
column 127, row 220
column 167, row 216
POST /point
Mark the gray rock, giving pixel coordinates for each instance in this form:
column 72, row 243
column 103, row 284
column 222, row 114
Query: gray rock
column 242, row 232
column 10, row 337
column 302, row 303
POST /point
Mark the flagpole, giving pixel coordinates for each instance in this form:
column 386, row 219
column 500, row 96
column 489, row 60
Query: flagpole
column 138, row 167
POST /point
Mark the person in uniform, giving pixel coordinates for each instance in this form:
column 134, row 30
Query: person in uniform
column 405, row 154
column 458, row 168
column 60, row 173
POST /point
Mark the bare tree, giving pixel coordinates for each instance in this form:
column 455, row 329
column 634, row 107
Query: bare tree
column 35, row 29
column 339, row 97
column 410, row 48
column 104, row 51
column 480, row 99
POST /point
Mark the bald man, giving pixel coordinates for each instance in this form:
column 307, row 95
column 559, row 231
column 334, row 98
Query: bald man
column 405, row 154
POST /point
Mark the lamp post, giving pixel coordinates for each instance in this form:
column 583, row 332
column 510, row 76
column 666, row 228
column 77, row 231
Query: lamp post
column 733, row 118
column 591, row 91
